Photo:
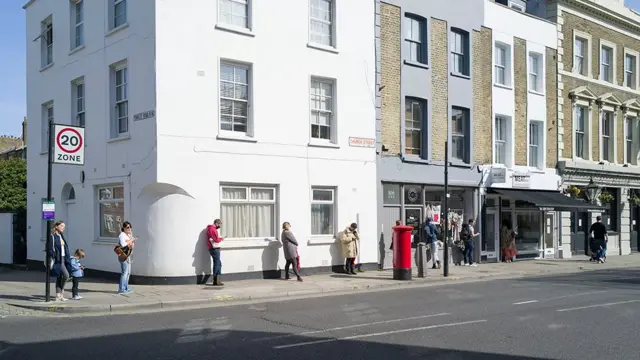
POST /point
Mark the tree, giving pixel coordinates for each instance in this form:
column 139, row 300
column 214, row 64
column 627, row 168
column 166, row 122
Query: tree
column 13, row 184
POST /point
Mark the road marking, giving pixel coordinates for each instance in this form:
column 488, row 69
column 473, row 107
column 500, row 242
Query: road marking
column 378, row 334
column 526, row 302
column 599, row 305
column 349, row 327
column 199, row 330
column 574, row 295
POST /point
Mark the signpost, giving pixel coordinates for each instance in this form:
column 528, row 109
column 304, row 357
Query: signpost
column 66, row 146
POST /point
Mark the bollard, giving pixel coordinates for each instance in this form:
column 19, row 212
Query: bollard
column 402, row 252
column 422, row 260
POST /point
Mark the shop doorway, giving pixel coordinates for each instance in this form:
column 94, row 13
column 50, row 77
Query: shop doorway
column 635, row 234
column 389, row 217
column 549, row 243
column 413, row 217
column 579, row 233
column 491, row 236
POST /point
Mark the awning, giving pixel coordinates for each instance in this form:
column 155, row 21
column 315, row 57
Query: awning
column 548, row 200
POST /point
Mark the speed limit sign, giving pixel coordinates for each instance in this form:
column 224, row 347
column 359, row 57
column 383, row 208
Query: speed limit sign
column 68, row 145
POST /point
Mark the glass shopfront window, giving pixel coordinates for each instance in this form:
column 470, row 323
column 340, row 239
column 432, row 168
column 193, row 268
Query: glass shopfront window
column 528, row 232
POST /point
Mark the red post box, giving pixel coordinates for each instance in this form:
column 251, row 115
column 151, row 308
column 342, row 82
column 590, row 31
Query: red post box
column 402, row 252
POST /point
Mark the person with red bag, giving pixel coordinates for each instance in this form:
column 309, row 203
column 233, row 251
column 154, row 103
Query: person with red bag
column 290, row 248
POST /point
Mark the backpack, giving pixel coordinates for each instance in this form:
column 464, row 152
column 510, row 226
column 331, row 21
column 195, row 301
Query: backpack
column 465, row 232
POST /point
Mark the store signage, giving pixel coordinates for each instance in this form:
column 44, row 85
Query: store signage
column 144, row 115
column 391, row 194
column 412, row 195
column 491, row 255
column 48, row 210
column 498, row 175
column 521, row 180
column 362, row 142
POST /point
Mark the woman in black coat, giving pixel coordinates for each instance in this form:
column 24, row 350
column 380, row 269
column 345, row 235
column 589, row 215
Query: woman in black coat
column 58, row 251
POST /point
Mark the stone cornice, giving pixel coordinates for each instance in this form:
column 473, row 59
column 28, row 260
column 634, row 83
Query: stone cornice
column 607, row 15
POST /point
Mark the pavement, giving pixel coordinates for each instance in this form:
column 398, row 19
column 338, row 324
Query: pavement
column 22, row 292
column 587, row 315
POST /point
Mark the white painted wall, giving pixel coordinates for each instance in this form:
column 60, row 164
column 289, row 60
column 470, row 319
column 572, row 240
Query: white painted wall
column 6, row 238
column 172, row 180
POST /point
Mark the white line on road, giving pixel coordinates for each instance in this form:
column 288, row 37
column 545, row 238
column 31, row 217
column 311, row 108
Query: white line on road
column 350, row 327
column 526, row 302
column 598, row 305
column 378, row 334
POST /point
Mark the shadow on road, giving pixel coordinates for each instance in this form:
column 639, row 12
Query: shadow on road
column 609, row 278
column 230, row 345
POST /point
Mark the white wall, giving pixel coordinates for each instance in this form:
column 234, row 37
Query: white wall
column 6, row 238
column 126, row 161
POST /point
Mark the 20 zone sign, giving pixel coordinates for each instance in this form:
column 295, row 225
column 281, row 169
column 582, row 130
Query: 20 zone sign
column 69, row 145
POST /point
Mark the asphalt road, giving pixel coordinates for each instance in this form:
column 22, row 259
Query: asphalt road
column 586, row 316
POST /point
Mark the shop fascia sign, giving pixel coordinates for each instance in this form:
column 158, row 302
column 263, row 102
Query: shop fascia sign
column 521, row 179
column 498, row 175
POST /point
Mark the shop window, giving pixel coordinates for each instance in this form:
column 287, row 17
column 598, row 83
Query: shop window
column 528, row 233
column 412, row 195
column 111, row 210
column 491, row 203
column 391, row 194
column 506, row 203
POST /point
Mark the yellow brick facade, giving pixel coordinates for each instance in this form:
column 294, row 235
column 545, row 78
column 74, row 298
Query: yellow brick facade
column 390, row 94
column 520, row 93
column 439, row 86
column 482, row 95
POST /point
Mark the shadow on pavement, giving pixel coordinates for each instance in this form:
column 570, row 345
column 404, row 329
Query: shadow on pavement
column 231, row 345
column 609, row 278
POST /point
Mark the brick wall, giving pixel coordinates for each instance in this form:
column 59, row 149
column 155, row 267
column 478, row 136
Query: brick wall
column 482, row 95
column 390, row 62
column 520, row 92
column 551, row 76
column 439, row 86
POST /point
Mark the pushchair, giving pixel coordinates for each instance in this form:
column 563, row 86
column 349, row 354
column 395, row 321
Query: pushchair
column 597, row 250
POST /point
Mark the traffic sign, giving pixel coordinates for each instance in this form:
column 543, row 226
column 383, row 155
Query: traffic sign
column 68, row 145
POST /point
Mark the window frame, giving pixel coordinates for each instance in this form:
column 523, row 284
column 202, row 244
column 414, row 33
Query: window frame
column 504, row 120
column 248, row 187
column 112, row 200
column 585, row 132
column 247, row 7
column 78, row 98
column 539, row 72
column 46, row 42
column 48, row 114
column 631, row 137
column 612, row 66
column 610, row 135
column 77, row 27
column 464, row 55
column 422, row 42
column 505, row 67
column 334, row 207
column 423, row 150
column 587, row 56
column 535, row 130
column 635, row 77
column 249, row 130
column 332, row 112
column 114, row 18
column 332, row 25
column 117, row 103
column 466, row 135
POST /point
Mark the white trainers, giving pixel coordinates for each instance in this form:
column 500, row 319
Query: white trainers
column 77, row 297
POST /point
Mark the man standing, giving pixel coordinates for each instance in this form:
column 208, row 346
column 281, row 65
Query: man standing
column 213, row 243
column 599, row 233
column 431, row 237
column 468, row 234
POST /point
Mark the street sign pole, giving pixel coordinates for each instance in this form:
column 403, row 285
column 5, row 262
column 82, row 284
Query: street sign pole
column 49, row 244
column 446, row 209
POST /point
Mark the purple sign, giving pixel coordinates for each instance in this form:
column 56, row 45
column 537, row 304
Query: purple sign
column 48, row 210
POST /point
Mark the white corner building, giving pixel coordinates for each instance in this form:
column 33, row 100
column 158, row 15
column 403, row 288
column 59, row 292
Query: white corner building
column 252, row 111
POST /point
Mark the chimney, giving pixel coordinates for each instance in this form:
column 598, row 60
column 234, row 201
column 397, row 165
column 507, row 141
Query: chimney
column 24, row 131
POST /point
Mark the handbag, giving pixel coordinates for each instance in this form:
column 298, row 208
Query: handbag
column 297, row 259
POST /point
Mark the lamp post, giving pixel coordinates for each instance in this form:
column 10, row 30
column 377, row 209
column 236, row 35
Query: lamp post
column 592, row 191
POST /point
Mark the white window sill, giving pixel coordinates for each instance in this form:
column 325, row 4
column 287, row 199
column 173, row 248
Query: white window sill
column 416, row 64
column 534, row 92
column 463, row 76
column 247, row 243
column 323, row 144
column 322, row 240
column 46, row 67
column 235, row 29
column 235, row 136
column 506, row 87
column 323, row 48
column 73, row 51
column 536, row 170
column 105, row 241
column 119, row 138
column 115, row 30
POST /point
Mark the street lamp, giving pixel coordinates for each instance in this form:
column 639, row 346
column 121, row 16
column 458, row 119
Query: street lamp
column 592, row 191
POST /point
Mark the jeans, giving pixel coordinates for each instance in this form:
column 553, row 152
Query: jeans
column 125, row 272
column 217, row 263
column 468, row 252
column 293, row 262
column 62, row 279
column 74, row 288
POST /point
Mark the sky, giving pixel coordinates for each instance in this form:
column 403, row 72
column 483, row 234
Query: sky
column 12, row 64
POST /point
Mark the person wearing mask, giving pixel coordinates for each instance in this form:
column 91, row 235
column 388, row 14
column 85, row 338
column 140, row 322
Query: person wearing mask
column 349, row 239
column 213, row 244
column 431, row 237
column 599, row 232
column 290, row 248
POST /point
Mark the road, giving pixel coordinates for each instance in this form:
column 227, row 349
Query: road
column 585, row 316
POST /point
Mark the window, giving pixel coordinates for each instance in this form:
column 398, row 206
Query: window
column 77, row 16
column 322, row 212
column 234, row 12
column 110, row 210
column 321, row 22
column 414, row 138
column 535, row 144
column 535, row 72
column 321, row 108
column 121, row 96
column 234, row 97
column 631, row 140
column 580, row 51
column 415, row 39
column 47, row 117
column 460, row 51
column 459, row 134
column 606, row 63
column 78, row 106
column 581, row 127
column 500, row 153
column 119, row 13
column 607, row 133
column 630, row 70
column 248, row 211
column 46, row 41
column 501, row 64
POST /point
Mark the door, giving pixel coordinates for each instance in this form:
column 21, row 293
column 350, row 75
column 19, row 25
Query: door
column 549, row 246
column 579, row 233
column 491, row 236
column 389, row 217
column 413, row 217
column 635, row 233
column 20, row 238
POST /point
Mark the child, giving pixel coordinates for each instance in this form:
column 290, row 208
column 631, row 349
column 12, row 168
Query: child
column 77, row 272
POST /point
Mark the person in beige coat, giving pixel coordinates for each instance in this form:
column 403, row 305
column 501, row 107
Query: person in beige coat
column 349, row 239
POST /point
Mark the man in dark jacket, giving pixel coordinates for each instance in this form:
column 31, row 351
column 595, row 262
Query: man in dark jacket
column 599, row 232
column 431, row 237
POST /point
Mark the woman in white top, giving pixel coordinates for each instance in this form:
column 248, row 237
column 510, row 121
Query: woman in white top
column 126, row 239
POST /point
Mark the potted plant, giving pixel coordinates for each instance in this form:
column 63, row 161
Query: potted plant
column 634, row 200
column 572, row 190
column 605, row 197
